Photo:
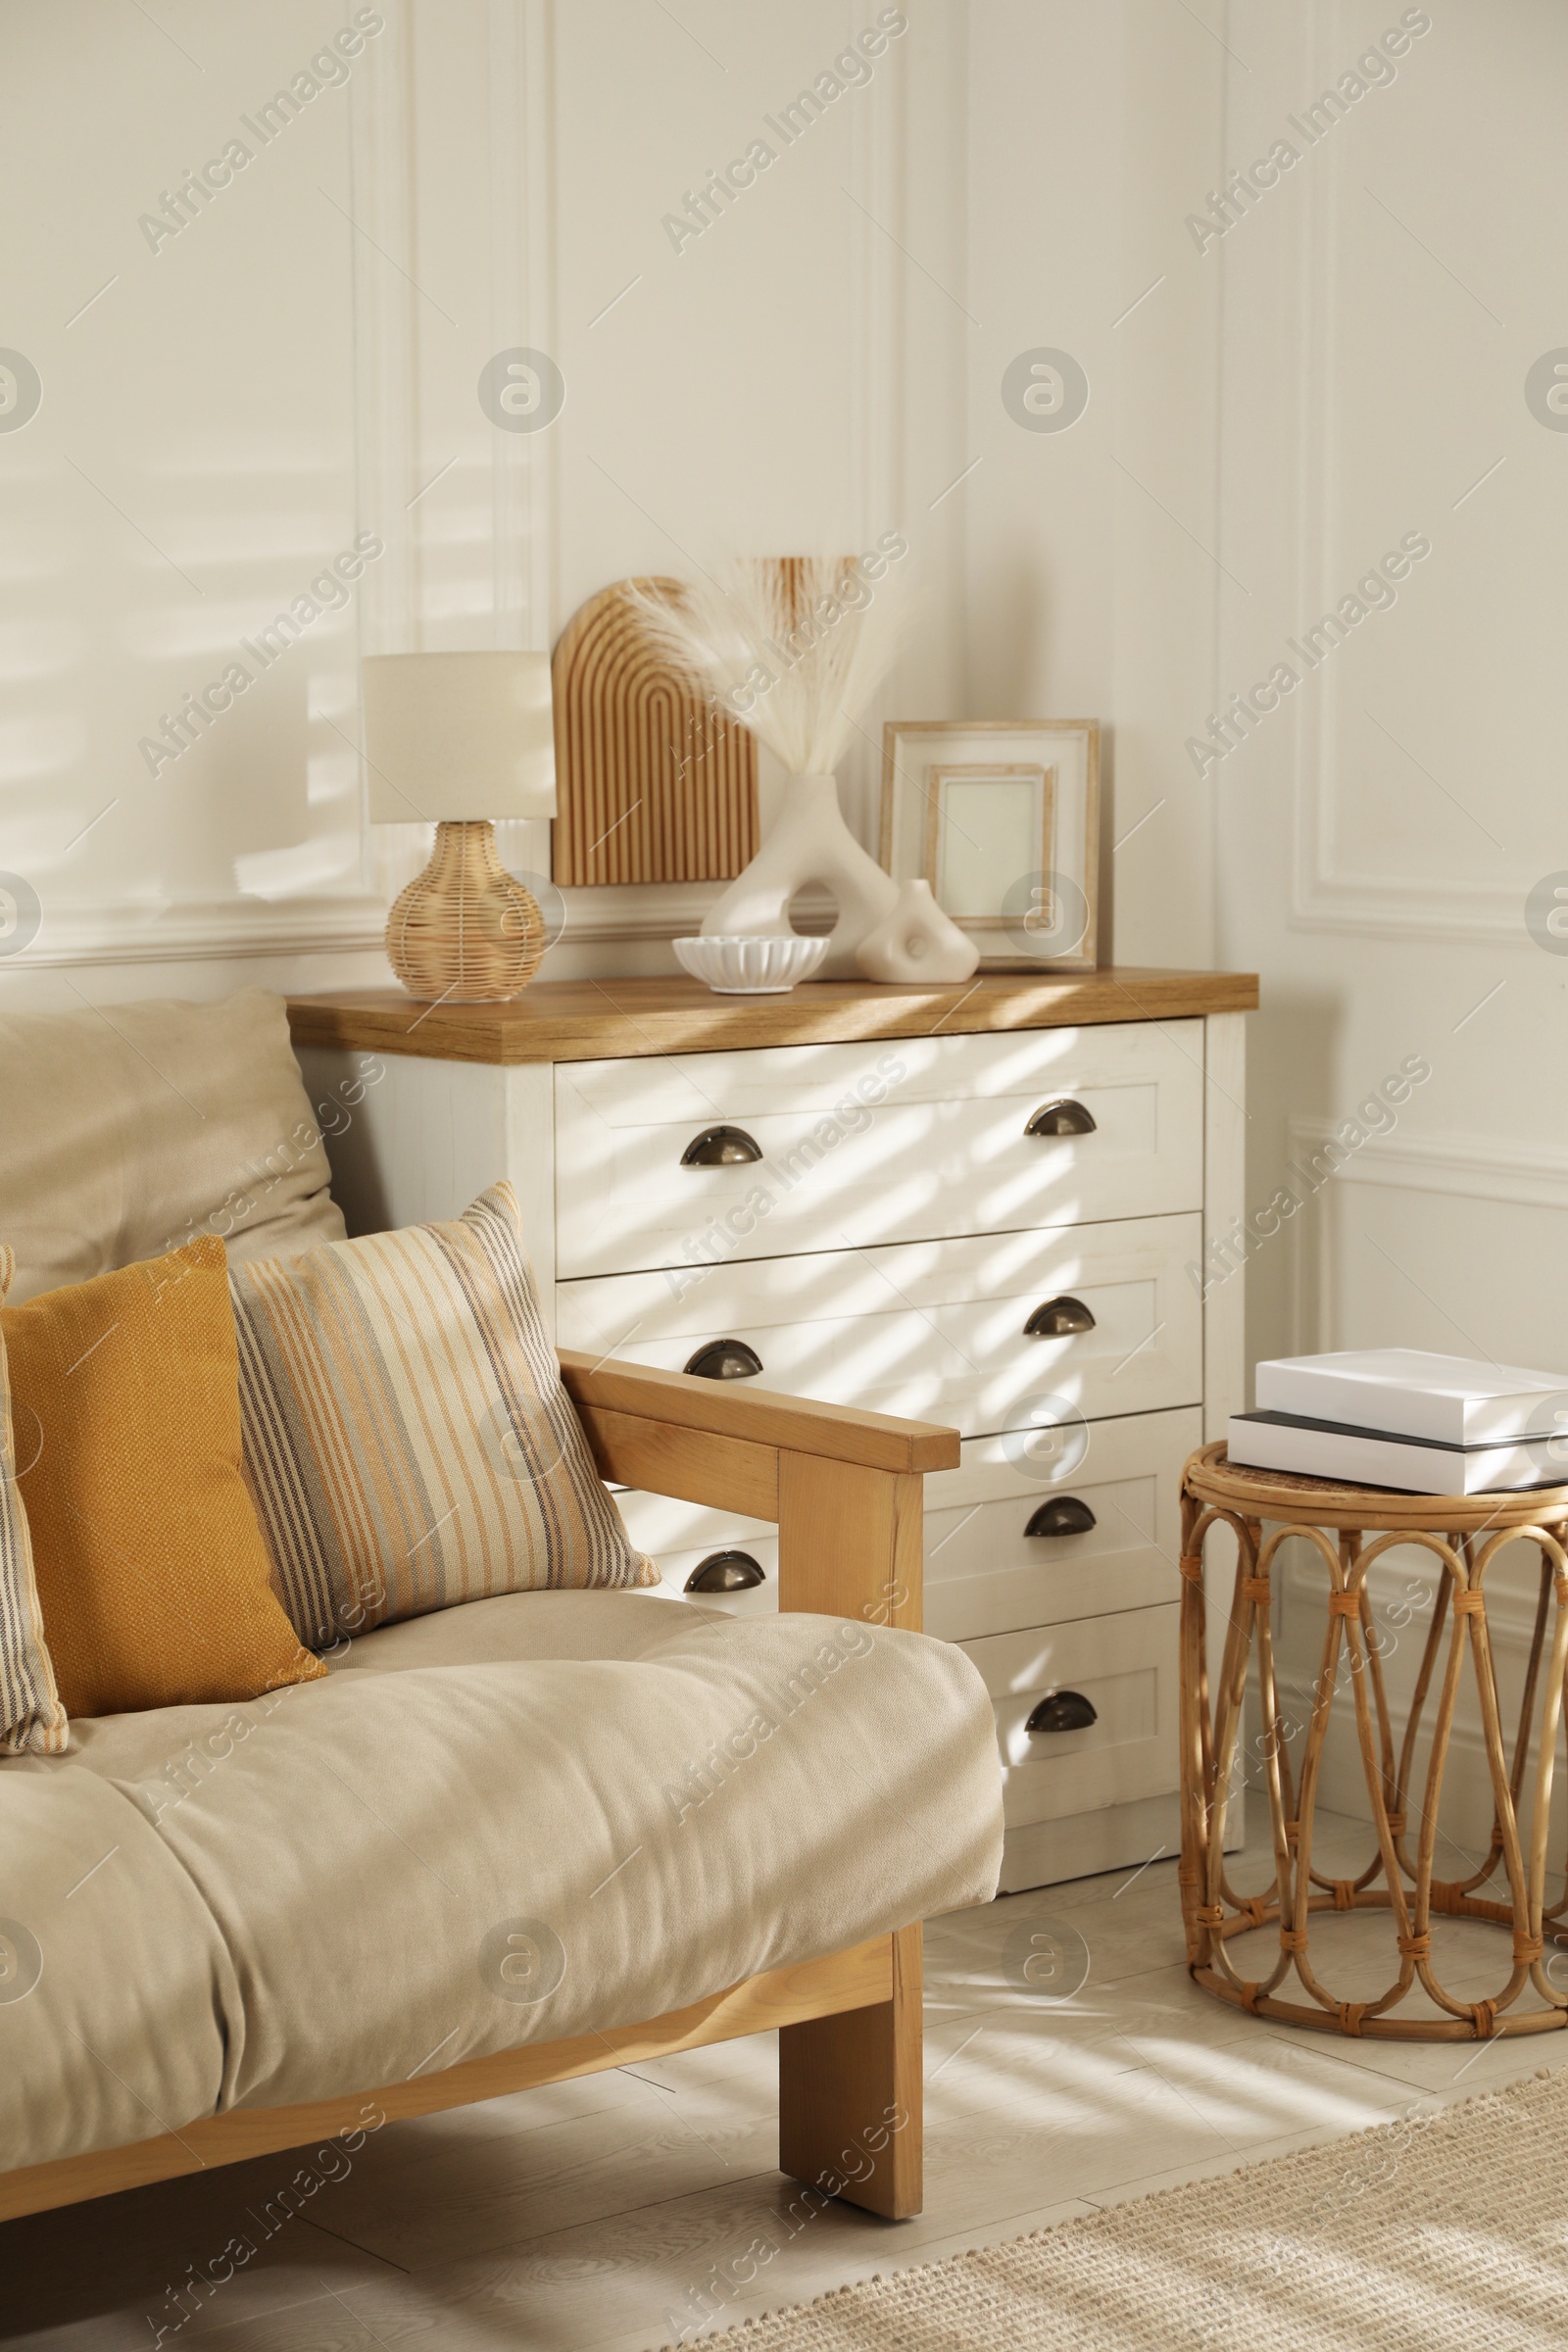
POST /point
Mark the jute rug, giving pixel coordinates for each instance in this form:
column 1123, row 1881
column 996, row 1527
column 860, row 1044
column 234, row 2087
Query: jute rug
column 1445, row 2229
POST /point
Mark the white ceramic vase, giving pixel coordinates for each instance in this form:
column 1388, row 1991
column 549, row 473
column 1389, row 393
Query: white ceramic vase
column 916, row 941
column 810, row 843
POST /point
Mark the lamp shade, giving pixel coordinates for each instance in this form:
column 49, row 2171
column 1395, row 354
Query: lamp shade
column 457, row 737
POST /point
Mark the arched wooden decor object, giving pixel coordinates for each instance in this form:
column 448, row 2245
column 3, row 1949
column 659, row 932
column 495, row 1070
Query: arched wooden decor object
column 653, row 784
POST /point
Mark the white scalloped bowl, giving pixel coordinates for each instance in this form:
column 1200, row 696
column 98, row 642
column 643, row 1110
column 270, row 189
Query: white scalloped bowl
column 735, row 966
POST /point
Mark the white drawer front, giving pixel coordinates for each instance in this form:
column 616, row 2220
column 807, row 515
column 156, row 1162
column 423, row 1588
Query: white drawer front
column 913, row 1139
column 680, row 1535
column 934, row 1330
column 1126, row 1667
column 982, row 1573
column 985, row 1574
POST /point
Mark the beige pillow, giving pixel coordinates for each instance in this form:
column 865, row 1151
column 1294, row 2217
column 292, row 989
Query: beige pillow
column 130, row 1131
column 32, row 1720
column 408, row 1438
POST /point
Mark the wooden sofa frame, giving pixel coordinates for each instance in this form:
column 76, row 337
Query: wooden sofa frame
column 845, row 1488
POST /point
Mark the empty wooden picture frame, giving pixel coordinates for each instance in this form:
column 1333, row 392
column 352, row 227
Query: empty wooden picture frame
column 1002, row 817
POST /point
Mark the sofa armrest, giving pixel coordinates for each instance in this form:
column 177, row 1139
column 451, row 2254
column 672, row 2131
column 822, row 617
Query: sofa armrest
column 732, row 1408
column 845, row 1486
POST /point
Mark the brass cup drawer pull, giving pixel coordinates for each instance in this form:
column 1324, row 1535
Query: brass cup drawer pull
column 726, row 1572
column 1062, row 1117
column 1058, row 1319
column 722, row 1147
column 724, row 1359
column 1062, row 1515
column 1062, row 1711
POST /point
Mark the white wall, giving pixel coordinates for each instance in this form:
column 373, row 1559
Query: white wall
column 188, row 473
column 300, row 364
column 1380, row 835
column 1093, row 586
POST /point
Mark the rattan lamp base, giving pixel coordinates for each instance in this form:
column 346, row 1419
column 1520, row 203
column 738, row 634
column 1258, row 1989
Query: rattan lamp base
column 464, row 932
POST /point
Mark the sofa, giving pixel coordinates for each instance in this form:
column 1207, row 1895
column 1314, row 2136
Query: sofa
column 498, row 1844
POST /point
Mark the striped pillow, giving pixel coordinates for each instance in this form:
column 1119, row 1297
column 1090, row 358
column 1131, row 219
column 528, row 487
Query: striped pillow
column 32, row 1721
column 407, row 1435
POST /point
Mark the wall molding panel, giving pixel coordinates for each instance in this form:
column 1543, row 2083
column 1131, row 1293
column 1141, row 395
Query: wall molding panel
column 196, row 932
column 878, row 234
column 878, row 138
column 526, row 468
column 1499, row 1173
column 1327, row 894
column 1467, row 1167
column 385, row 331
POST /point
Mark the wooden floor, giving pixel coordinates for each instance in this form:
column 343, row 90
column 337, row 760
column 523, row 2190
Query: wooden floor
column 609, row 2215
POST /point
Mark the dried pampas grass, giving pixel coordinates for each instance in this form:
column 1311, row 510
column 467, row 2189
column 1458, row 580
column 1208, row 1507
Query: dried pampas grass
column 790, row 645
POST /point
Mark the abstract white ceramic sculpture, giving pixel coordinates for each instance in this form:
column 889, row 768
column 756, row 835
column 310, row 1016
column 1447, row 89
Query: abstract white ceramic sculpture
column 793, row 646
column 810, row 844
column 916, row 941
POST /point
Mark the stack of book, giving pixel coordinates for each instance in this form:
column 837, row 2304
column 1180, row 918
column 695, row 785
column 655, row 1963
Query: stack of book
column 1398, row 1417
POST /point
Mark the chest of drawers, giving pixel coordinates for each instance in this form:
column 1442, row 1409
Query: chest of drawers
column 986, row 1206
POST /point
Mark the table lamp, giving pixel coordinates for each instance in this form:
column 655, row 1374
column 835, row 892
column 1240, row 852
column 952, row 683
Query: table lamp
column 464, row 739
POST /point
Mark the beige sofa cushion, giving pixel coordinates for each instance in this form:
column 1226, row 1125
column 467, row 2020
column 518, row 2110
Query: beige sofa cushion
column 133, row 1129
column 317, row 1892
column 570, row 1623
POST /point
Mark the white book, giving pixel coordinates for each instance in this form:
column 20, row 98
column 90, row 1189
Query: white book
column 1367, row 1457
column 1455, row 1399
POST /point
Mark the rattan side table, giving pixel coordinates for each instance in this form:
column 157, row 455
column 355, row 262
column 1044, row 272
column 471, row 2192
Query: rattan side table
column 1465, row 1532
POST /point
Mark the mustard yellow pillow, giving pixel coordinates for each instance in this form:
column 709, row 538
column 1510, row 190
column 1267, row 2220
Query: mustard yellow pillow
column 152, row 1574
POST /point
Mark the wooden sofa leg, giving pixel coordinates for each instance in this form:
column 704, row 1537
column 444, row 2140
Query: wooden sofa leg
column 849, row 2096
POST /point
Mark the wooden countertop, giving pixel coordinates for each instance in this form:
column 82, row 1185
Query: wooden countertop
column 592, row 1020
